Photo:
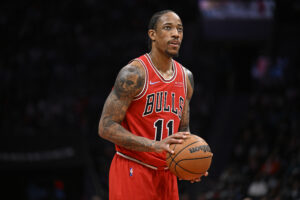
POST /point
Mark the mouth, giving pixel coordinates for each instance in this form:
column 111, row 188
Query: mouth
column 174, row 43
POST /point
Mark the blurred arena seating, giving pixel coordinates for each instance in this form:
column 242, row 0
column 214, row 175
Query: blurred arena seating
column 59, row 62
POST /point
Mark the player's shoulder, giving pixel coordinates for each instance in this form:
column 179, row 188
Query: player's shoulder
column 130, row 80
column 134, row 69
column 188, row 72
column 190, row 81
column 135, row 64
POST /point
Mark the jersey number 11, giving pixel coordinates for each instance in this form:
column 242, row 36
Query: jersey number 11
column 158, row 125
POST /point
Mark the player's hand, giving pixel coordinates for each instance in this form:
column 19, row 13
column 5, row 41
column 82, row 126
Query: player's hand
column 164, row 145
column 197, row 179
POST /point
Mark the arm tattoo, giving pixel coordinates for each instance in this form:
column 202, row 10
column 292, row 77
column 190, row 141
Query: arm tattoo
column 185, row 120
column 191, row 78
column 124, row 138
column 129, row 83
column 184, row 123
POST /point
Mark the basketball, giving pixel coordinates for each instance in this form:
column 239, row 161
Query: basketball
column 191, row 159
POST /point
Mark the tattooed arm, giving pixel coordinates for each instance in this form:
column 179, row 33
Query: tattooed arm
column 185, row 119
column 129, row 83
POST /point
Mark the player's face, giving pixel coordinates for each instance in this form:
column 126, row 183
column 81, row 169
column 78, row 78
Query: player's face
column 168, row 34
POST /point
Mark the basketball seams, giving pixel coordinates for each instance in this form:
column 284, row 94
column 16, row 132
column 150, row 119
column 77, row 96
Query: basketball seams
column 194, row 158
column 181, row 151
column 188, row 171
column 170, row 156
column 181, row 163
column 177, row 164
column 169, row 153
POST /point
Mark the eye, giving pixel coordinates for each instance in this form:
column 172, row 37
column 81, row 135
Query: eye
column 180, row 29
column 167, row 27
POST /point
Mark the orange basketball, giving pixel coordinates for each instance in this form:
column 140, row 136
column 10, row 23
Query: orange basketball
column 191, row 159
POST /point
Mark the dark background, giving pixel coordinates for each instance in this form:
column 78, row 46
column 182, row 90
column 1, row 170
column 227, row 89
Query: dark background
column 59, row 60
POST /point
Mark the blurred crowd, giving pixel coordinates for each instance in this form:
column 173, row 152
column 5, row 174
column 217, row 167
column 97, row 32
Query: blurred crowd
column 265, row 162
column 61, row 59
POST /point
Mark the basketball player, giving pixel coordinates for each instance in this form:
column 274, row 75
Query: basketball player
column 147, row 110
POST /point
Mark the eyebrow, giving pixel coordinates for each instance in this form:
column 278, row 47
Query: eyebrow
column 169, row 23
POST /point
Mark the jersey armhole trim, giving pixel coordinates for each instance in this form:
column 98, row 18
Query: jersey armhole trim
column 184, row 80
column 145, row 87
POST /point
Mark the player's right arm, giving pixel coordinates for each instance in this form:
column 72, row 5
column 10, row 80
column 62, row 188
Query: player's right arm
column 129, row 83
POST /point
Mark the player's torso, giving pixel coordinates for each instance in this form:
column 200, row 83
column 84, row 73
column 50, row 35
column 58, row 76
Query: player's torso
column 156, row 112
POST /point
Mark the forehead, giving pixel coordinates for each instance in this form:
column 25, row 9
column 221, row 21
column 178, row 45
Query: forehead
column 169, row 17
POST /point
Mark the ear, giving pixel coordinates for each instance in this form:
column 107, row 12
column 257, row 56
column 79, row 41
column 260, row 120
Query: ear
column 152, row 34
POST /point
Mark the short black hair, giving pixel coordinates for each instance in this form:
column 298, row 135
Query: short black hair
column 153, row 23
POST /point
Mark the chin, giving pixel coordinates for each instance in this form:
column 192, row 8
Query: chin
column 172, row 54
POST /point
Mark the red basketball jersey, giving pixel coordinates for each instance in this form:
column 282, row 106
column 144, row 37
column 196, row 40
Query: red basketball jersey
column 156, row 112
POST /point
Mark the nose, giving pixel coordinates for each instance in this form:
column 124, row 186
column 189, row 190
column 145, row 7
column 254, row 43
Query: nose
column 175, row 33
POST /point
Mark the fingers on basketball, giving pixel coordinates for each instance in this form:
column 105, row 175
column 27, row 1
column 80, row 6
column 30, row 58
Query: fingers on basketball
column 191, row 159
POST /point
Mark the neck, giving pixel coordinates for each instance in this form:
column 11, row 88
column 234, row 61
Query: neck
column 161, row 61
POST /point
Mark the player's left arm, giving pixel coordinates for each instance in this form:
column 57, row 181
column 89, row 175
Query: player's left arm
column 185, row 118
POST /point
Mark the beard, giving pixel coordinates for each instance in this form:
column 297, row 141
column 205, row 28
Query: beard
column 171, row 54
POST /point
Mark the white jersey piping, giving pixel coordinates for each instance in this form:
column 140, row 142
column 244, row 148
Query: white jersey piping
column 159, row 74
column 137, row 161
column 145, row 87
column 184, row 79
